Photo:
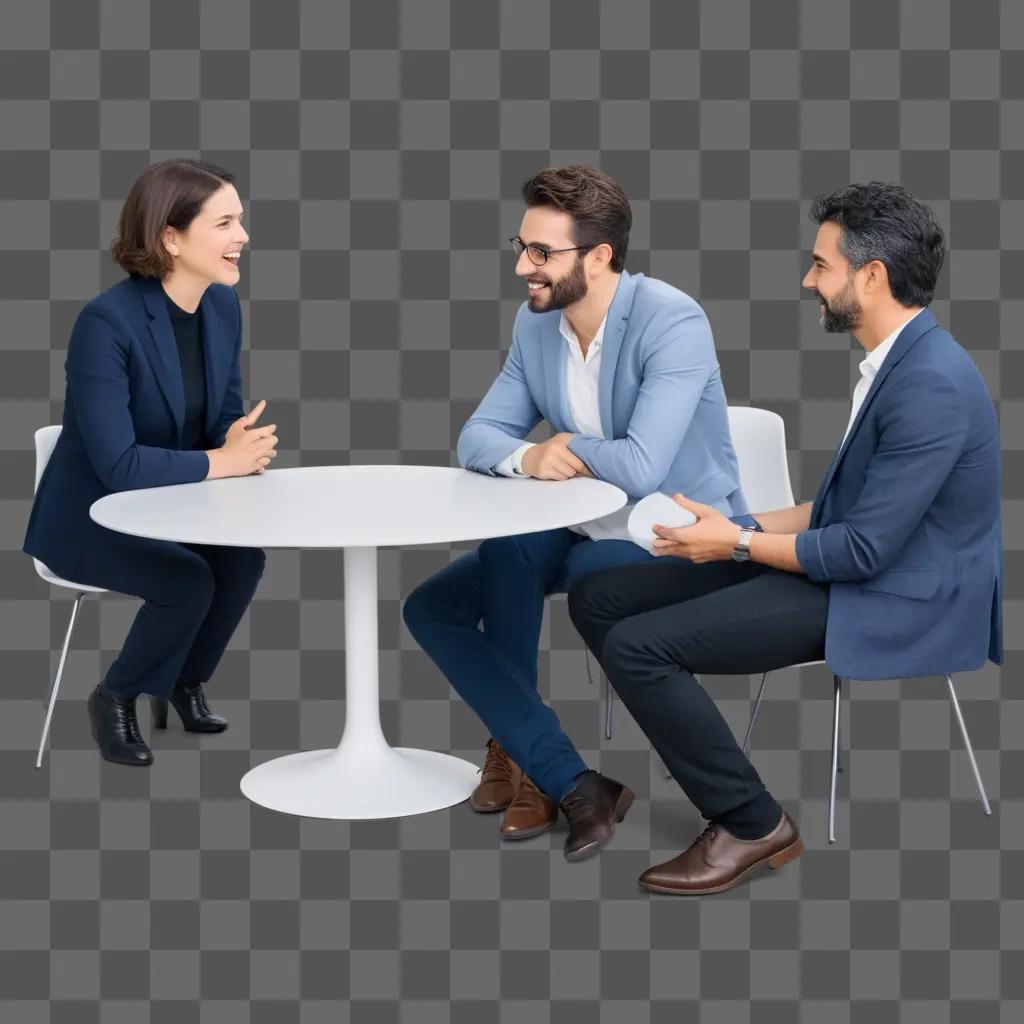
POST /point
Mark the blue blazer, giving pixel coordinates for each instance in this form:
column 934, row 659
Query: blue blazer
column 124, row 408
column 906, row 524
column 661, row 400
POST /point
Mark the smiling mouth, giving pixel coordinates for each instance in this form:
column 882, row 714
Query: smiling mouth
column 536, row 286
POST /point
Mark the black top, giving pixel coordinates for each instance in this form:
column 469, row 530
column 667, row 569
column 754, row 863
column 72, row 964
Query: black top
column 188, row 335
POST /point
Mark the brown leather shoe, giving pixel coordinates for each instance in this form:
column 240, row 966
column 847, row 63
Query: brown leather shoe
column 717, row 860
column 593, row 808
column 499, row 780
column 530, row 813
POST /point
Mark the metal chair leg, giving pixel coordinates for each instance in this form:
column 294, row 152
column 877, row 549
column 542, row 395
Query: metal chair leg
column 967, row 745
column 753, row 714
column 56, row 683
column 836, row 697
column 586, row 658
column 609, row 696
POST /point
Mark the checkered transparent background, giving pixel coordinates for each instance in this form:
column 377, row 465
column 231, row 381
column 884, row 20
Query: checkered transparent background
column 379, row 147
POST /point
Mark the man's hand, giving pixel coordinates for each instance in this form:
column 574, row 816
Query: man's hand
column 552, row 460
column 710, row 539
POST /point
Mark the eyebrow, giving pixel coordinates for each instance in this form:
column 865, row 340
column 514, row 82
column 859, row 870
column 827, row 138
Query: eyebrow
column 228, row 216
column 543, row 245
column 818, row 258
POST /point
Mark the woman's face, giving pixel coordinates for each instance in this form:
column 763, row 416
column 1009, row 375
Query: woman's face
column 209, row 248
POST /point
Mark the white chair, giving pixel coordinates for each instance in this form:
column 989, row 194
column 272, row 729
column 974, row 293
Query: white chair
column 46, row 440
column 759, row 438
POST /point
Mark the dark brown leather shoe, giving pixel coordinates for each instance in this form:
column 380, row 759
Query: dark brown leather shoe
column 593, row 808
column 717, row 860
column 530, row 813
column 499, row 780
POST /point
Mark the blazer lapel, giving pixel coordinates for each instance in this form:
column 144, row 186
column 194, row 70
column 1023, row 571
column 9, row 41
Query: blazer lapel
column 908, row 337
column 167, row 363
column 611, row 346
column 214, row 352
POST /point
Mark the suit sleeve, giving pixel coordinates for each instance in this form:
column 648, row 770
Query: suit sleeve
column 505, row 415
column 677, row 367
column 922, row 434
column 98, row 383
column 231, row 407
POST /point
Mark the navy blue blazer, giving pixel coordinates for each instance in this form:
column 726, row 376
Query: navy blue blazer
column 906, row 524
column 124, row 408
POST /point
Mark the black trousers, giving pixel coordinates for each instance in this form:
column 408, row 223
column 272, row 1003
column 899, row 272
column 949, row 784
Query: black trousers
column 654, row 625
column 195, row 595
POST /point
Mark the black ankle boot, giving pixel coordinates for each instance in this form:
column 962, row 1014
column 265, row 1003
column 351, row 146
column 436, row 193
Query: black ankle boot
column 190, row 703
column 116, row 729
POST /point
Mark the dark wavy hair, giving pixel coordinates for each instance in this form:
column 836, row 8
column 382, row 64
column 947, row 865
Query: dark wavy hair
column 167, row 194
column 596, row 202
column 885, row 222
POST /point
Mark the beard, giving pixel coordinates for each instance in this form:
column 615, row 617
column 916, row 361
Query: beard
column 842, row 314
column 560, row 294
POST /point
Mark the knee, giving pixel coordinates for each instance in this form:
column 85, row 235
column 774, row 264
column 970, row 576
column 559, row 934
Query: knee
column 250, row 563
column 190, row 583
column 420, row 607
column 590, row 599
column 500, row 550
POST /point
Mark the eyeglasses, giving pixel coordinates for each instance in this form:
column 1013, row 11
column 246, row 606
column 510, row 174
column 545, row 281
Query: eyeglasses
column 537, row 254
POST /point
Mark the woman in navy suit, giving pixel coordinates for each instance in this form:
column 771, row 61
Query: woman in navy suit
column 153, row 398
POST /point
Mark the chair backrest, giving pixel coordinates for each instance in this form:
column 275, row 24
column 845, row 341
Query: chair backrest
column 759, row 438
column 46, row 441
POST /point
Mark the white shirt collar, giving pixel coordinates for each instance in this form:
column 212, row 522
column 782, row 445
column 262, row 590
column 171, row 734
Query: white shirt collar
column 565, row 329
column 872, row 362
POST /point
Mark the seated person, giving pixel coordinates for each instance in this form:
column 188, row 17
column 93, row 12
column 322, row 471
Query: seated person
column 893, row 571
column 623, row 367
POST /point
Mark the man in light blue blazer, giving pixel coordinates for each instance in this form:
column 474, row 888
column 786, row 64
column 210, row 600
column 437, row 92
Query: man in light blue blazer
column 894, row 570
column 623, row 368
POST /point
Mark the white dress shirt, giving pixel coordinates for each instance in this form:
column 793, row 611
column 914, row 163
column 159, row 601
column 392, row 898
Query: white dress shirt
column 869, row 368
column 582, row 374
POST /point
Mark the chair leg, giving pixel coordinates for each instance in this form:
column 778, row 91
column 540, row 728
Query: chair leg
column 56, row 683
column 586, row 658
column 609, row 697
column 753, row 714
column 967, row 745
column 836, row 697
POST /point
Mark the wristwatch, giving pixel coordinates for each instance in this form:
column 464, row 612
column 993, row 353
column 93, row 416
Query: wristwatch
column 741, row 553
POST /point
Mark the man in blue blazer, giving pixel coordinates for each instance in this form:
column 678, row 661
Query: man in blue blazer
column 623, row 368
column 894, row 570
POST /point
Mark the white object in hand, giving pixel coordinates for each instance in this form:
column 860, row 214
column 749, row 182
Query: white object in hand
column 657, row 509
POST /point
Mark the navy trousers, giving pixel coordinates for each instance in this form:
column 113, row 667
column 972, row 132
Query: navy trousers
column 479, row 620
column 194, row 594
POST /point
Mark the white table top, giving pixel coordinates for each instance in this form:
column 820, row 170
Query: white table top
column 354, row 506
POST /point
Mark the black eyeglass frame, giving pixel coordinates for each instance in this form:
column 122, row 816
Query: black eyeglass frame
column 518, row 246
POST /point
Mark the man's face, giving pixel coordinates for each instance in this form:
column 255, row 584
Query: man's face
column 561, row 280
column 832, row 280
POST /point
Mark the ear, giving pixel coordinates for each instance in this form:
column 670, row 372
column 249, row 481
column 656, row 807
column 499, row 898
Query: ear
column 602, row 256
column 170, row 241
column 877, row 277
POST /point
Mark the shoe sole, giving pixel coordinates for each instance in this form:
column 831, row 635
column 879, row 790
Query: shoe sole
column 527, row 833
column 489, row 810
column 774, row 861
column 622, row 805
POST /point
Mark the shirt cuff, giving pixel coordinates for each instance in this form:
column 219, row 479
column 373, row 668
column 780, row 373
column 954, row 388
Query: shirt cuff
column 513, row 464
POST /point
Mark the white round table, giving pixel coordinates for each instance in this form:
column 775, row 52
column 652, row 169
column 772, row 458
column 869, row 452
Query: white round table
column 357, row 508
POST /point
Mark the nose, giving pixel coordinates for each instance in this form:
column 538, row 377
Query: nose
column 807, row 283
column 524, row 265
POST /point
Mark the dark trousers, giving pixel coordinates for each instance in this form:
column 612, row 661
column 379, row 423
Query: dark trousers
column 502, row 586
column 654, row 626
column 194, row 594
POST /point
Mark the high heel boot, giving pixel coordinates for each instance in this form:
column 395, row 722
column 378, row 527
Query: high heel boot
column 190, row 703
column 116, row 729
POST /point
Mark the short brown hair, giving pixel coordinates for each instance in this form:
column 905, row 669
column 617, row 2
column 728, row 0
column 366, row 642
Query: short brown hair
column 596, row 202
column 168, row 194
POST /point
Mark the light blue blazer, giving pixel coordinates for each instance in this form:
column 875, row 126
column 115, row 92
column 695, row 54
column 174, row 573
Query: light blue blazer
column 663, row 410
column 906, row 523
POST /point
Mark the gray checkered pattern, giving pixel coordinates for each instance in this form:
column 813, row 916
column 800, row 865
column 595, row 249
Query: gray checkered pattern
column 379, row 147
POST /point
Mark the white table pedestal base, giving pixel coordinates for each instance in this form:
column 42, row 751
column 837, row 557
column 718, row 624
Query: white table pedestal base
column 363, row 777
column 390, row 783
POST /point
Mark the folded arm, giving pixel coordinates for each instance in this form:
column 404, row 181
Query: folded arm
column 505, row 415
column 677, row 367
column 921, row 437
column 97, row 375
